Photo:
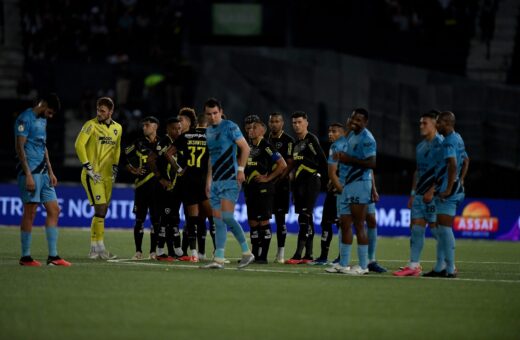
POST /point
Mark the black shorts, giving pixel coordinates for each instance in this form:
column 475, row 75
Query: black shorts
column 306, row 189
column 281, row 196
column 330, row 214
column 169, row 202
column 193, row 190
column 259, row 201
column 145, row 200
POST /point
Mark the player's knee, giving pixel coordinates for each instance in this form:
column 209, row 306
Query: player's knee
column 228, row 217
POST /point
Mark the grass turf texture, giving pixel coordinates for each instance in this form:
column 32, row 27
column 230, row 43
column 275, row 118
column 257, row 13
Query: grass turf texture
column 145, row 299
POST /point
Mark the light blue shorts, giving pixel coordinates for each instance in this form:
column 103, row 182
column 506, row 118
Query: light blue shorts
column 425, row 211
column 223, row 190
column 343, row 202
column 43, row 192
column 449, row 205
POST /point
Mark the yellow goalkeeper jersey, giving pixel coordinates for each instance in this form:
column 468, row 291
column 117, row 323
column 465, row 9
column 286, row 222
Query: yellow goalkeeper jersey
column 99, row 144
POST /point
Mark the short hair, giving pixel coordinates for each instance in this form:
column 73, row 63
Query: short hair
column 202, row 119
column 276, row 114
column 433, row 114
column 338, row 125
column 150, row 119
column 448, row 115
column 299, row 114
column 262, row 124
column 212, row 102
column 172, row 120
column 252, row 119
column 106, row 101
column 361, row 111
column 52, row 100
column 190, row 113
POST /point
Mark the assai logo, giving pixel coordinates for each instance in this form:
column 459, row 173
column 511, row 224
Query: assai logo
column 476, row 217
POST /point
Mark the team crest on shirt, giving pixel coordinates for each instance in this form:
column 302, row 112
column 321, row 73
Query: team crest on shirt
column 115, row 132
column 278, row 145
column 98, row 197
column 167, row 211
column 21, row 128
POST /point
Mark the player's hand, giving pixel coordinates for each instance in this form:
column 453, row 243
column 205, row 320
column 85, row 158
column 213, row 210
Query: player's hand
column 29, row 183
column 428, row 197
column 90, row 172
column 410, row 201
column 165, row 183
column 375, row 196
column 341, row 157
column 338, row 188
column 444, row 194
column 53, row 180
column 241, row 177
column 115, row 170
column 172, row 150
column 261, row 179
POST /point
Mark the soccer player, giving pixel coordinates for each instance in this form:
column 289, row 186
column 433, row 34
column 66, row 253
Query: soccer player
column 421, row 199
column 36, row 180
column 359, row 155
column 329, row 216
column 309, row 160
column 164, row 165
column 223, row 138
column 98, row 147
column 450, row 172
column 263, row 166
column 146, row 185
column 193, row 158
column 283, row 144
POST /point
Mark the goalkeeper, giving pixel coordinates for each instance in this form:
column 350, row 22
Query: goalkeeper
column 98, row 146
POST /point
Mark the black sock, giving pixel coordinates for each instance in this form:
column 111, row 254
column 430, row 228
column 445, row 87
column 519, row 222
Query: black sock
column 265, row 236
column 309, row 245
column 281, row 229
column 185, row 242
column 303, row 234
column 138, row 235
column 176, row 236
column 326, row 238
column 191, row 231
column 169, row 240
column 255, row 241
column 154, row 231
column 201, row 235
column 161, row 236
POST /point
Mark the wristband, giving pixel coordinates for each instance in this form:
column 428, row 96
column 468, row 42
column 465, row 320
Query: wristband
column 87, row 166
column 241, row 168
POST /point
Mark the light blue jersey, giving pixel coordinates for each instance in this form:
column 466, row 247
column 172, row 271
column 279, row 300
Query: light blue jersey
column 222, row 148
column 360, row 146
column 452, row 147
column 340, row 145
column 428, row 153
column 34, row 129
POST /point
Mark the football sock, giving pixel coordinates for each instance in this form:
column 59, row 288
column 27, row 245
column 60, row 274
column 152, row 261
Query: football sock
column 176, row 237
column 236, row 229
column 52, row 240
column 185, row 242
column 416, row 243
column 212, row 230
column 255, row 241
column 138, row 235
column 220, row 238
column 154, row 231
column 97, row 228
column 440, row 264
column 303, row 223
column 265, row 240
column 191, row 230
column 344, row 253
column 161, row 236
column 169, row 240
column 326, row 238
column 201, row 235
column 446, row 234
column 310, row 239
column 281, row 229
column 26, row 238
column 372, row 243
column 363, row 255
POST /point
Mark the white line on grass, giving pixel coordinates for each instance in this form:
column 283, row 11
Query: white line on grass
column 249, row 269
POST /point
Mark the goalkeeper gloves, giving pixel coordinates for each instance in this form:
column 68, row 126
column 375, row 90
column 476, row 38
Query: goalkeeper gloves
column 115, row 169
column 90, row 172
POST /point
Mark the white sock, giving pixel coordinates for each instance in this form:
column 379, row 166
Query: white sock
column 178, row 251
column 194, row 252
column 414, row 265
column 160, row 251
column 281, row 251
column 100, row 245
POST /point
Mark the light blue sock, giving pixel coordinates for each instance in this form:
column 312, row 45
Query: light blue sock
column 416, row 243
column 52, row 240
column 26, row 237
column 446, row 233
column 439, row 265
column 220, row 237
column 362, row 251
column 372, row 243
column 344, row 253
column 236, row 229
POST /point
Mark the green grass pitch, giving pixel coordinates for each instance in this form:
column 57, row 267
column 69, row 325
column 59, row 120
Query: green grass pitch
column 152, row 300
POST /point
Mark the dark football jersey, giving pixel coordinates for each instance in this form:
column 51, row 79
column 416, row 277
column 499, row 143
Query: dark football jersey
column 308, row 156
column 261, row 160
column 192, row 153
column 137, row 156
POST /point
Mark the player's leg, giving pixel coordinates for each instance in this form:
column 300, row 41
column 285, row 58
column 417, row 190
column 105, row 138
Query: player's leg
column 191, row 229
column 371, row 222
column 445, row 216
column 303, row 221
column 30, row 200
column 228, row 209
column 328, row 217
column 154, row 201
column 140, row 210
column 264, row 227
column 265, row 236
column 220, row 228
column 281, row 208
column 205, row 212
column 254, row 235
column 313, row 191
column 358, row 220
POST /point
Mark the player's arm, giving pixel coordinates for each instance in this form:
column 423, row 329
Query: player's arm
column 464, row 170
column 52, row 177
column 278, row 170
column 81, row 150
column 130, row 153
column 451, row 164
column 242, row 161
column 152, row 163
column 117, row 154
column 412, row 192
column 20, row 152
column 367, row 163
column 332, row 170
column 375, row 194
column 208, row 178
